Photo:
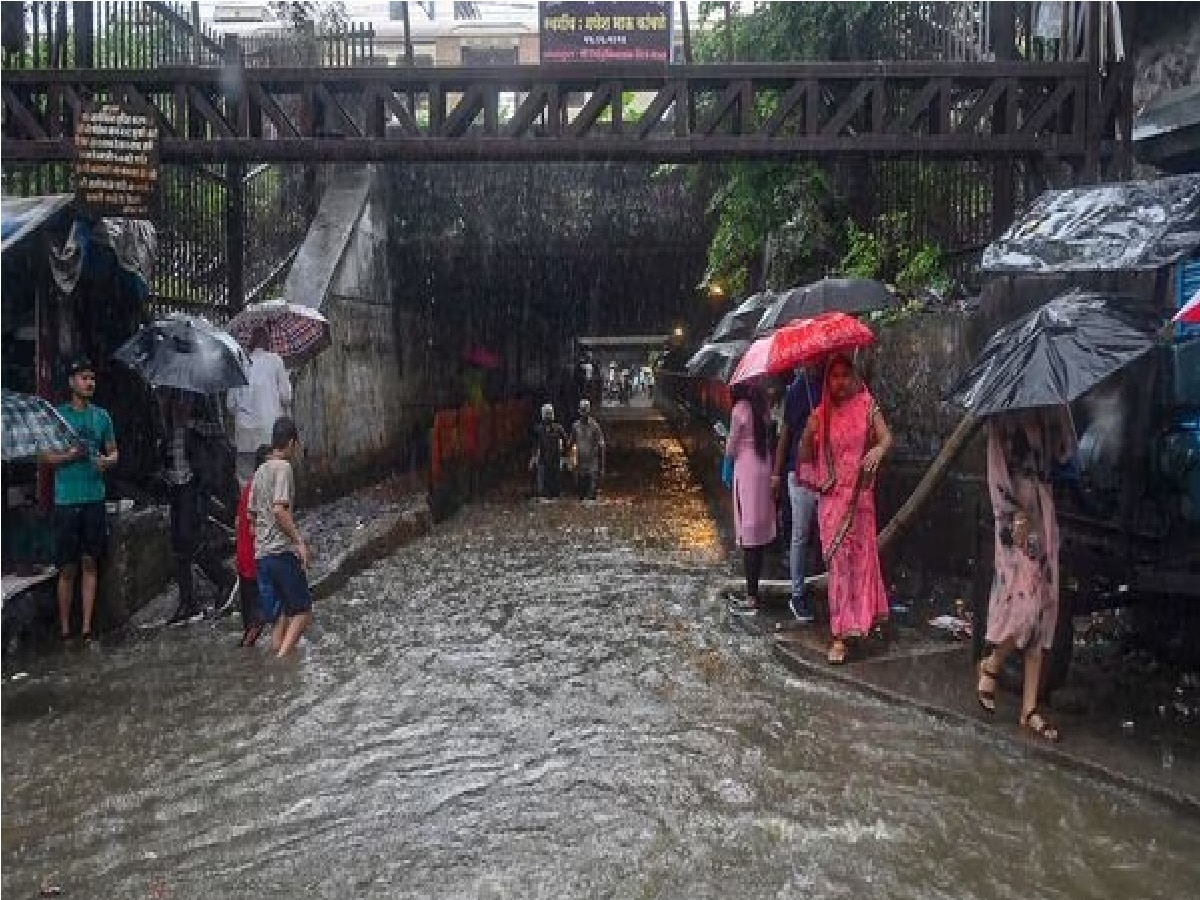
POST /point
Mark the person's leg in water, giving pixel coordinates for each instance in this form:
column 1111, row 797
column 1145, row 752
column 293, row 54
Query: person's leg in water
column 804, row 503
column 296, row 601
column 251, row 616
column 553, row 473
column 752, row 562
column 268, row 601
column 184, row 536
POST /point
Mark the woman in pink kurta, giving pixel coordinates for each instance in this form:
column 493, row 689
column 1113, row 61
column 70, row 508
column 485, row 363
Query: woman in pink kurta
column 843, row 445
column 1023, row 605
column 753, row 503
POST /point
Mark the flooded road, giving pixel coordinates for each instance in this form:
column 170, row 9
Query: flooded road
column 539, row 701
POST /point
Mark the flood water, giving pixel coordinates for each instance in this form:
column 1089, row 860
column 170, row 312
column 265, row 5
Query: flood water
column 538, row 701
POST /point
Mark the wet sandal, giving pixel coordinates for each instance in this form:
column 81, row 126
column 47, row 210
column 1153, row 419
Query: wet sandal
column 837, row 653
column 1034, row 722
column 987, row 698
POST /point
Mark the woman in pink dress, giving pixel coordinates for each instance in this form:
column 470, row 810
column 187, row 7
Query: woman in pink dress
column 1023, row 605
column 843, row 444
column 753, row 502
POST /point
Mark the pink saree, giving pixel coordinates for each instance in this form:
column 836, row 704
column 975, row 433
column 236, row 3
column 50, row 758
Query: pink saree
column 846, row 515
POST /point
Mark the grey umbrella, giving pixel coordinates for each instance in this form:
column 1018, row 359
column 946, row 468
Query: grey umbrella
column 186, row 353
column 716, row 360
column 32, row 426
column 738, row 324
column 1052, row 356
column 847, row 295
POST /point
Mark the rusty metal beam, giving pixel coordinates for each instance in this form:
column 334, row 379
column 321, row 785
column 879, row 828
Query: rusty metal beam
column 888, row 105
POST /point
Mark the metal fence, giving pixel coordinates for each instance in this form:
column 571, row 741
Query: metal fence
column 58, row 35
column 272, row 202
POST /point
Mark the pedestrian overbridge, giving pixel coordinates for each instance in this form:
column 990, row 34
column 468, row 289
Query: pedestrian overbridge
column 1067, row 111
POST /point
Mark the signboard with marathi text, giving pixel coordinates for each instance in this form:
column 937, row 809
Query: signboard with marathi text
column 605, row 32
column 116, row 161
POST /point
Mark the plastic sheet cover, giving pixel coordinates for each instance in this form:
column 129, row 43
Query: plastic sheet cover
column 1111, row 227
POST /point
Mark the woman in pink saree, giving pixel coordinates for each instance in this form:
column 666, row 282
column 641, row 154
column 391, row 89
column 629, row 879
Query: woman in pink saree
column 1023, row 605
column 844, row 442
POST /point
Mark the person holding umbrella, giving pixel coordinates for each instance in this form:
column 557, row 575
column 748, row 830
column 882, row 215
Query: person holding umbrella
column 80, row 519
column 843, row 445
column 259, row 404
column 1023, row 606
column 798, row 404
column 195, row 470
column 1023, row 382
column 753, row 506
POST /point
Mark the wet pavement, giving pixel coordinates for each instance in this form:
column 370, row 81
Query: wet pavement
column 539, row 700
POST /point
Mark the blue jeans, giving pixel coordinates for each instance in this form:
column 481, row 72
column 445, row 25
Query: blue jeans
column 804, row 508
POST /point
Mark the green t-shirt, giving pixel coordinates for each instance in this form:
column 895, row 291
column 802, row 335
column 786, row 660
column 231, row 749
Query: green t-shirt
column 80, row 482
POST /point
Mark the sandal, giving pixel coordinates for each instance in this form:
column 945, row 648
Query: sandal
column 987, row 698
column 837, row 653
column 1036, row 723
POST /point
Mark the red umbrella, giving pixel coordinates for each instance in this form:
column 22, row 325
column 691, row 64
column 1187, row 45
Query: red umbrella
column 802, row 344
column 1190, row 314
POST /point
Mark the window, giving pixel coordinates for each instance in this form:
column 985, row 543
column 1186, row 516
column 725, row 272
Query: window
column 489, row 56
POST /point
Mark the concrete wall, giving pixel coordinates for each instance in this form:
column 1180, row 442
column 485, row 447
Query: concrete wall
column 350, row 401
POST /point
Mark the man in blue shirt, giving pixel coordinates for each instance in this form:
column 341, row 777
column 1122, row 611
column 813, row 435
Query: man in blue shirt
column 803, row 395
column 80, row 522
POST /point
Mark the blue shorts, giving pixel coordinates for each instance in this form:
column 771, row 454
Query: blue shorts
column 282, row 587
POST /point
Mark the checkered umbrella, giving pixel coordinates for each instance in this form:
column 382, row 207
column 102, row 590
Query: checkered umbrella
column 33, row 426
column 295, row 332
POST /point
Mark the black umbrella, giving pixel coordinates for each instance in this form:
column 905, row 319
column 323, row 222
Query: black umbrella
column 1051, row 356
column 738, row 324
column 186, row 353
column 716, row 360
column 847, row 295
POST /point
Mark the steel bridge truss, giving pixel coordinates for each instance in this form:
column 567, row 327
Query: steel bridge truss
column 1052, row 111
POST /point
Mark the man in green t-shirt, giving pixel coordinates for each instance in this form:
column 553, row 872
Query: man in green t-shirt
column 80, row 523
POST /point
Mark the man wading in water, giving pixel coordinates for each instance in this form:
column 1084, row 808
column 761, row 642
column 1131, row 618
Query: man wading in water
column 281, row 556
column 588, row 441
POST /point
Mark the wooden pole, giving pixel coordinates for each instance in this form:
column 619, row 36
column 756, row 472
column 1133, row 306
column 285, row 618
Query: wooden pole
column 688, row 60
column 235, row 203
column 728, row 31
column 934, row 475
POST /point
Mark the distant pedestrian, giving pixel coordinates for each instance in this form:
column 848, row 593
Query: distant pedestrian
column 256, row 406
column 587, row 440
column 1023, row 606
column 843, row 445
column 247, row 568
column 550, row 442
column 753, row 508
column 281, row 556
column 80, row 517
column 192, row 471
column 798, row 403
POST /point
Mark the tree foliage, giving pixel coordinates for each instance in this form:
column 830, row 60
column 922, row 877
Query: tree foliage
column 309, row 16
column 794, row 208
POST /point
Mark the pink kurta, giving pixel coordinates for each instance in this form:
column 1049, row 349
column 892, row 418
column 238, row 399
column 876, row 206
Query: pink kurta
column 846, row 515
column 1023, row 605
column 753, row 505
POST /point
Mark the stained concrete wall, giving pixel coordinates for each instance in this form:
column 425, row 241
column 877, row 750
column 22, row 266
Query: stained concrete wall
column 352, row 402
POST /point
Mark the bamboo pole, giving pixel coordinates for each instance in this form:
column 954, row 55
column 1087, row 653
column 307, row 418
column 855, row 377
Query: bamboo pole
column 934, row 475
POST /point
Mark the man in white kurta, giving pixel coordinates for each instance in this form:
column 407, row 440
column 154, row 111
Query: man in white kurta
column 256, row 406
